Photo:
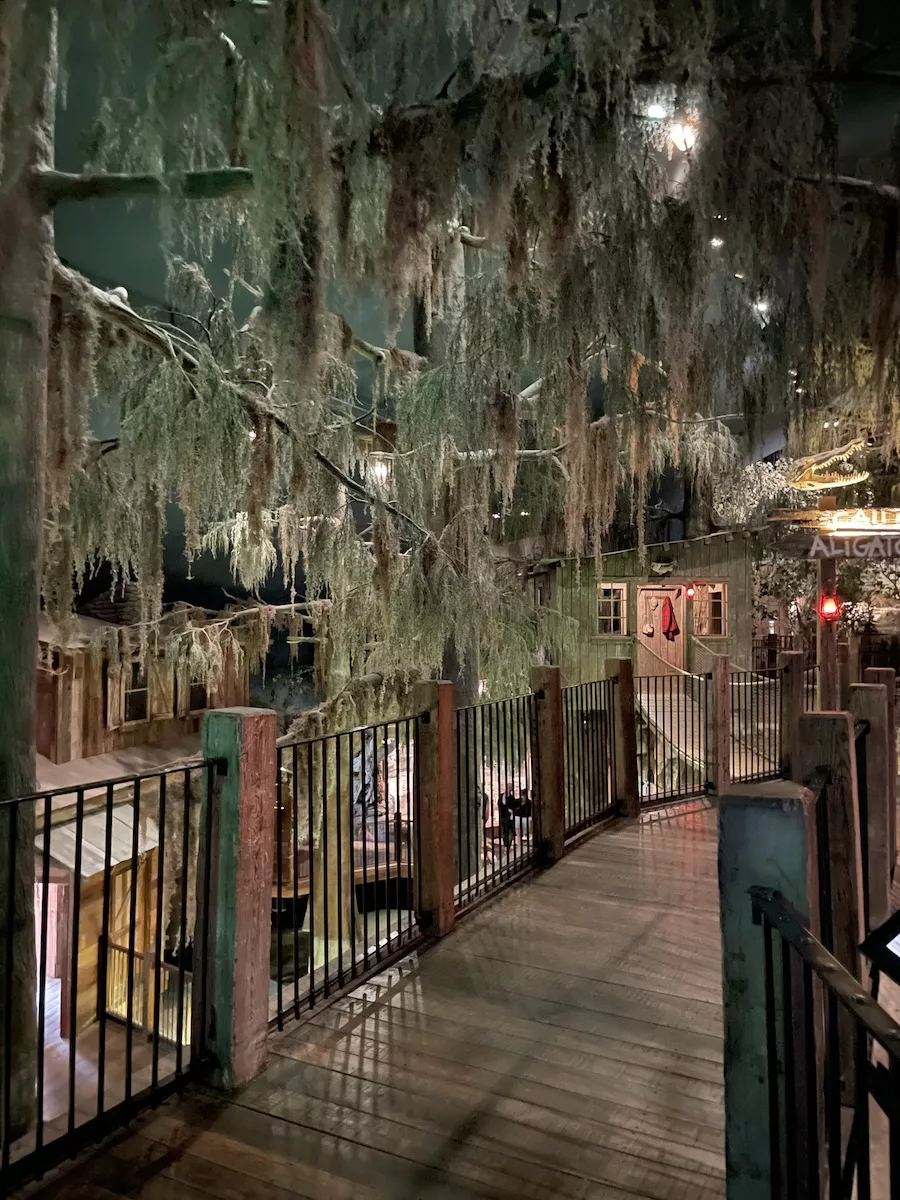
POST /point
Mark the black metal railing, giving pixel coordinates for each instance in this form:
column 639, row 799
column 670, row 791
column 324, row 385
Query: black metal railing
column 879, row 652
column 755, row 725
column 672, row 718
column 588, row 753
column 810, row 688
column 99, row 1015
column 822, row 1141
column 496, row 795
column 343, row 892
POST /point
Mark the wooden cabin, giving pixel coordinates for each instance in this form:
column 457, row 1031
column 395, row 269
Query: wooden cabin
column 91, row 703
column 673, row 611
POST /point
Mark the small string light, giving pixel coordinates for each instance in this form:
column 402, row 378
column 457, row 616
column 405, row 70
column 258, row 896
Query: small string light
column 717, row 243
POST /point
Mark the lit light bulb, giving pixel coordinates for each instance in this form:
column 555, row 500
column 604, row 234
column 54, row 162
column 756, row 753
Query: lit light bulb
column 252, row 435
column 683, row 135
column 496, row 516
column 717, row 243
column 524, row 513
column 762, row 306
column 656, row 112
column 379, row 470
column 825, row 425
column 834, row 424
column 793, row 372
column 740, row 275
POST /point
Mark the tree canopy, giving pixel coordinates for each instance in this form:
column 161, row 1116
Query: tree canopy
column 595, row 229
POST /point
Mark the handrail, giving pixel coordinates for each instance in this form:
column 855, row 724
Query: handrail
column 849, row 991
column 672, row 668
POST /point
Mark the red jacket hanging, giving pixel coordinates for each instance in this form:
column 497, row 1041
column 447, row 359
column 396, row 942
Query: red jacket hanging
column 669, row 624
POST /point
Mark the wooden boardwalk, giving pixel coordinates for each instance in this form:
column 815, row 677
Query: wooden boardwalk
column 564, row 1041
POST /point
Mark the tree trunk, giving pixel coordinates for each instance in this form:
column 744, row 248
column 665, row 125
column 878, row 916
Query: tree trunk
column 434, row 337
column 26, row 263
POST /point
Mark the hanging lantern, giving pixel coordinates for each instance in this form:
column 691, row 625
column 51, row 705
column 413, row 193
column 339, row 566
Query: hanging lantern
column 829, row 608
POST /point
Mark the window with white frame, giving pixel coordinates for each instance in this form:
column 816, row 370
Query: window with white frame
column 612, row 607
column 711, row 610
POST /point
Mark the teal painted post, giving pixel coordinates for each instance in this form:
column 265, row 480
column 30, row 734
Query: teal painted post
column 241, row 837
column 766, row 838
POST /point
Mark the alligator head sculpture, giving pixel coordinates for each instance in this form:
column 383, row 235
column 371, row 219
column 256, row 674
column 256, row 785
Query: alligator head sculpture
column 833, row 469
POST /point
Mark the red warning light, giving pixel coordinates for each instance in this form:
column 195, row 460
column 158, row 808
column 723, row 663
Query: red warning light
column 829, row 609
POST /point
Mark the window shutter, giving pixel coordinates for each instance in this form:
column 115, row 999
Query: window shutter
column 161, row 684
column 115, row 695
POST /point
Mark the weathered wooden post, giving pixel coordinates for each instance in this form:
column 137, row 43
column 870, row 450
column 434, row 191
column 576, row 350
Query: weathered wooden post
column 436, row 908
column 547, row 684
column 239, row 821
column 627, row 792
column 767, row 838
column 844, row 680
column 869, row 702
column 886, row 676
column 826, row 631
column 827, row 741
column 718, row 726
column 792, row 705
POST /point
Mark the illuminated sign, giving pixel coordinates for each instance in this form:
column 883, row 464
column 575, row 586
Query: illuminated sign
column 843, row 546
column 842, row 520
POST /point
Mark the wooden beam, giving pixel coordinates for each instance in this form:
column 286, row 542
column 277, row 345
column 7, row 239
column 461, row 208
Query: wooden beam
column 718, row 726
column 869, row 702
column 627, row 791
column 827, row 742
column 435, row 906
column 792, row 706
column 547, row 683
column 234, row 922
column 886, row 676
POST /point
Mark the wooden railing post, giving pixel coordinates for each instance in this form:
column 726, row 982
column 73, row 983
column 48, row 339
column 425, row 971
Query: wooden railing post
column 827, row 741
column 436, row 908
column 844, row 680
column 792, row 706
column 869, row 702
column 627, row 791
column 887, row 676
column 718, row 726
column 547, row 684
column 767, row 838
column 234, row 976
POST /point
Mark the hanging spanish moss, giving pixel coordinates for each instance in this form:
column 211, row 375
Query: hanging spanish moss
column 504, row 176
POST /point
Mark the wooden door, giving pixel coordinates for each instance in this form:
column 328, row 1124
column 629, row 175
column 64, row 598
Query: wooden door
column 660, row 629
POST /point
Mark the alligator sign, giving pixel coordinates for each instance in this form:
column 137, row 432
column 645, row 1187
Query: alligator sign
column 833, row 469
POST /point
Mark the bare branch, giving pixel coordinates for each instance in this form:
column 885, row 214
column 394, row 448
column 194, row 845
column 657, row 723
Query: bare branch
column 57, row 186
column 853, row 186
column 111, row 308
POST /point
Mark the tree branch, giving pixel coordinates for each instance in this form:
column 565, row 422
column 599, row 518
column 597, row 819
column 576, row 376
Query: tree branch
column 853, row 186
column 58, row 186
column 114, row 310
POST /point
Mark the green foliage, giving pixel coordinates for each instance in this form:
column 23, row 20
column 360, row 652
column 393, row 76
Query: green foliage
column 371, row 130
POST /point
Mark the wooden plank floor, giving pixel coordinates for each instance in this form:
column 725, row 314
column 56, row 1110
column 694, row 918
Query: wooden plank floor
column 564, row 1041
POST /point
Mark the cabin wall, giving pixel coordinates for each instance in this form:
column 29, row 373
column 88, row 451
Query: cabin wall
column 73, row 716
column 570, row 588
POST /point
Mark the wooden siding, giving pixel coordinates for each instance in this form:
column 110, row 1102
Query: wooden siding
column 77, row 724
column 570, row 588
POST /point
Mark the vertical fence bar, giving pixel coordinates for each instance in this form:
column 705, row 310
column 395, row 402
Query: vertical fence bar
column 158, row 940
